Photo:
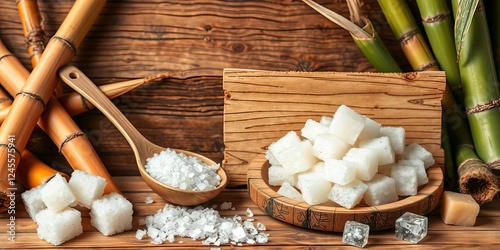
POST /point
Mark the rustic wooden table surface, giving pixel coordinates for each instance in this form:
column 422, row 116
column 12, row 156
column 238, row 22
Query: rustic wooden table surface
column 133, row 39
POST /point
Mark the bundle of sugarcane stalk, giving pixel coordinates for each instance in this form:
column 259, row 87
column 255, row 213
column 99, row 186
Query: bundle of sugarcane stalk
column 456, row 40
column 40, row 100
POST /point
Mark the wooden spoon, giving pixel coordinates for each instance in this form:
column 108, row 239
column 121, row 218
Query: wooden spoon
column 142, row 147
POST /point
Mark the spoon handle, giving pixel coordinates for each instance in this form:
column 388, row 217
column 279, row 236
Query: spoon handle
column 83, row 85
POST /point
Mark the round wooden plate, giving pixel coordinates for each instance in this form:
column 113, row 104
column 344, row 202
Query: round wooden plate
column 331, row 217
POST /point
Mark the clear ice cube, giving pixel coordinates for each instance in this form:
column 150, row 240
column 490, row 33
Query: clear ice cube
column 411, row 227
column 355, row 234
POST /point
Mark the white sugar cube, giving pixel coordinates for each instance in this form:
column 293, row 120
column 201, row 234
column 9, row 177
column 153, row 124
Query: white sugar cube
column 396, row 136
column 289, row 191
column 327, row 146
column 406, row 179
column 33, row 201
column 382, row 145
column 419, row 165
column 278, row 176
column 86, row 187
column 347, row 124
column 371, row 130
column 297, row 158
column 111, row 214
column 57, row 195
column 288, row 140
column 314, row 187
column 271, row 158
column 381, row 190
column 59, row 227
column 326, row 120
column 339, row 171
column 348, row 195
column 318, row 167
column 416, row 151
column 365, row 160
column 313, row 128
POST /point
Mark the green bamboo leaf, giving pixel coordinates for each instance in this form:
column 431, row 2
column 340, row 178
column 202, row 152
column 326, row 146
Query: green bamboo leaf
column 463, row 20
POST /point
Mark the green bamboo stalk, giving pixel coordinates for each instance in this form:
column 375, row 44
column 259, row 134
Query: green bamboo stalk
column 364, row 36
column 474, row 176
column 438, row 24
column 479, row 80
column 405, row 28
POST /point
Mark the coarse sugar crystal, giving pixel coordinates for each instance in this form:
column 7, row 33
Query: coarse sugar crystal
column 182, row 171
column 201, row 223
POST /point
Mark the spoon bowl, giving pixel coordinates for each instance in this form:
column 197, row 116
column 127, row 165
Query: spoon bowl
column 142, row 147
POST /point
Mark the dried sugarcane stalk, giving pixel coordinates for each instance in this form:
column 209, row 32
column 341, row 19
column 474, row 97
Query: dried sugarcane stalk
column 31, row 171
column 57, row 123
column 34, row 33
column 34, row 96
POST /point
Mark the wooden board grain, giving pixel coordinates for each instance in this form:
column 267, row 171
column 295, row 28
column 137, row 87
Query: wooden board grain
column 262, row 106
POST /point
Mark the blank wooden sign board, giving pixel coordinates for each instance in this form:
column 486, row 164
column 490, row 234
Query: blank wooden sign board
column 262, row 106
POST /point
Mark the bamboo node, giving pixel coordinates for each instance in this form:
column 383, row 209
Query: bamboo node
column 483, row 107
column 436, row 18
column 406, row 37
column 494, row 164
column 4, row 145
column 36, row 40
column 34, row 96
column 69, row 138
column 427, row 66
column 66, row 42
column 6, row 55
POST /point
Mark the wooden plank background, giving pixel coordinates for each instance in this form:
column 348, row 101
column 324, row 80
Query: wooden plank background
column 135, row 38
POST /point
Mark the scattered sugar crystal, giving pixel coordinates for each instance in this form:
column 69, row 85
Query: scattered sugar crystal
column 250, row 219
column 233, row 208
column 355, row 234
column 214, row 206
column 411, row 227
column 149, row 200
column 249, row 212
column 182, row 171
column 226, row 205
column 203, row 224
column 140, row 233
column 261, row 226
column 261, row 238
column 33, row 201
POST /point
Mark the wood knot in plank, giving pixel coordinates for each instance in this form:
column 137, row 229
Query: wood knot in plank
column 410, row 76
column 238, row 48
column 227, row 95
column 416, row 101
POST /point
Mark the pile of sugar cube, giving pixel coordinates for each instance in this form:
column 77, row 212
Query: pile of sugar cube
column 347, row 158
column 51, row 206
